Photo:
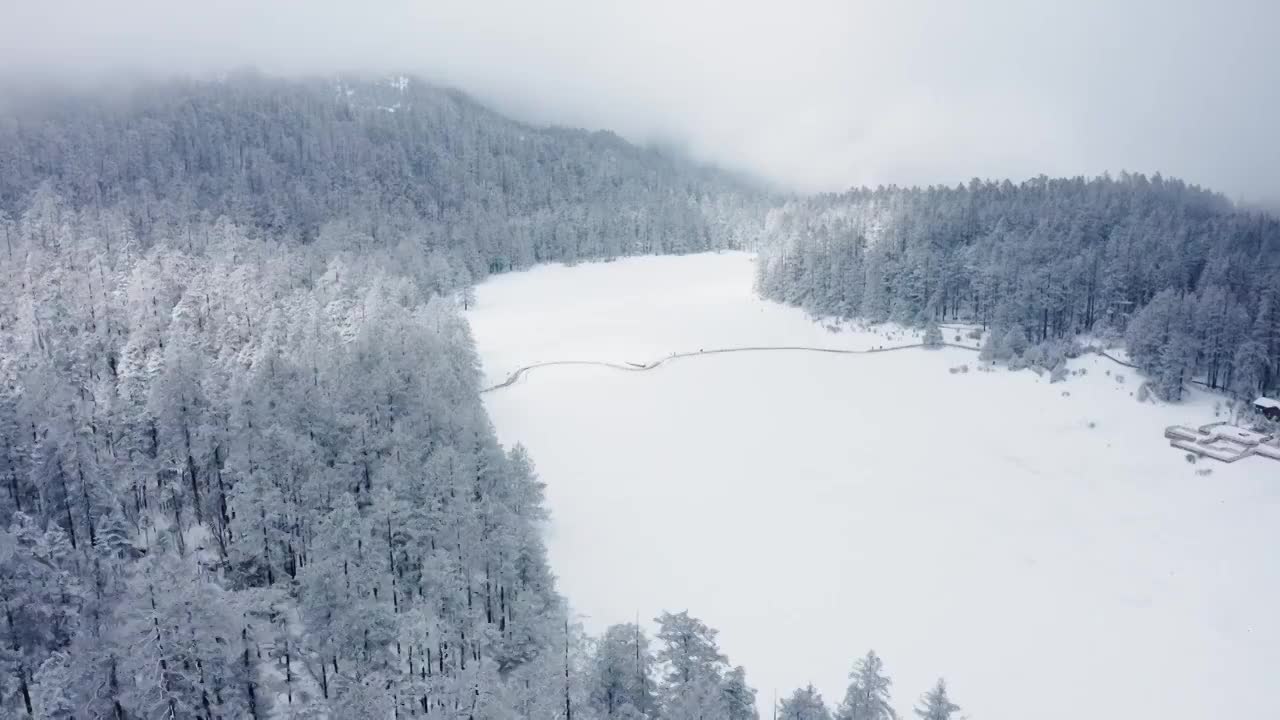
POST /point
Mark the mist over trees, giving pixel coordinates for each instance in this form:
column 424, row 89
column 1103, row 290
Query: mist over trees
column 1188, row 281
column 370, row 162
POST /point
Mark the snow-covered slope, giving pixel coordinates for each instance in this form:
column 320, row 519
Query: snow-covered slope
column 1039, row 545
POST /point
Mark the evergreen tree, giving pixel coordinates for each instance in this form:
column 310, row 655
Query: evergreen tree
column 621, row 673
column 739, row 698
column 804, row 704
column 692, row 684
column 932, row 335
column 936, row 705
column 867, row 697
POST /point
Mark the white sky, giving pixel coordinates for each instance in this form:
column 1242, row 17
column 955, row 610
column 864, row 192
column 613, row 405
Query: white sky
column 814, row 94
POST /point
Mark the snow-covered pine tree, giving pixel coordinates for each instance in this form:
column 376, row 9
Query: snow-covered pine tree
column 804, row 704
column 867, row 697
column 621, row 673
column 935, row 704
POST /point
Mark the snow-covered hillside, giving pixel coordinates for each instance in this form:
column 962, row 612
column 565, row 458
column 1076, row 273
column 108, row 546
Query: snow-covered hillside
column 1039, row 545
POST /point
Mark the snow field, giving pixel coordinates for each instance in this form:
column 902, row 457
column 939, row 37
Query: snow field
column 1050, row 555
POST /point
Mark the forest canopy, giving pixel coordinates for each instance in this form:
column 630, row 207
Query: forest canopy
column 1189, row 282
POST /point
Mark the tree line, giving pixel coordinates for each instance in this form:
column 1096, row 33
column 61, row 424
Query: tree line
column 241, row 474
column 1188, row 282
column 369, row 160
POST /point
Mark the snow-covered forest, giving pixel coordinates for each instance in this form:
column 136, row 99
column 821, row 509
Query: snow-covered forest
column 359, row 162
column 1189, row 282
column 246, row 472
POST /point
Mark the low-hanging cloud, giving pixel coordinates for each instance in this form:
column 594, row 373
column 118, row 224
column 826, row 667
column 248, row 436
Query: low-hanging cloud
column 813, row 94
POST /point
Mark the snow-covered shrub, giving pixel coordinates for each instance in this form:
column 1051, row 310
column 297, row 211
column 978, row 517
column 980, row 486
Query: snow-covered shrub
column 1192, row 457
column 975, row 334
column 1144, row 392
column 1037, row 356
column 1049, row 354
column 990, row 350
column 1120, row 378
column 932, row 335
column 1059, row 373
column 1015, row 342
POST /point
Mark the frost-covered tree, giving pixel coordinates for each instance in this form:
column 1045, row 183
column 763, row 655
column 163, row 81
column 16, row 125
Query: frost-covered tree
column 739, row 697
column 1014, row 343
column 40, row 598
column 867, row 697
column 936, row 705
column 621, row 673
column 932, row 335
column 696, row 679
column 804, row 704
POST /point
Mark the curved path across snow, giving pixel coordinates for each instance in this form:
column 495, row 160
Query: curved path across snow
column 641, row 367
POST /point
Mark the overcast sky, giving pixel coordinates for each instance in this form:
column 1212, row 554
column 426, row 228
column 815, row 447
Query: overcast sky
column 814, row 94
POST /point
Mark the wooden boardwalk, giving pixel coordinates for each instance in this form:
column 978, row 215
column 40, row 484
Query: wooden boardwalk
column 642, row 367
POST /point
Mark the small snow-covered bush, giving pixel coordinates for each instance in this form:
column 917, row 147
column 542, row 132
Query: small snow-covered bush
column 932, row 335
column 1120, row 378
column 1049, row 354
column 1144, row 392
column 975, row 334
column 1204, row 472
column 1015, row 342
column 1191, row 458
column 1036, row 355
column 1093, row 424
column 1058, row 374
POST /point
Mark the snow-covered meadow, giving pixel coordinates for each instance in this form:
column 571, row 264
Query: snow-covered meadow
column 1039, row 545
